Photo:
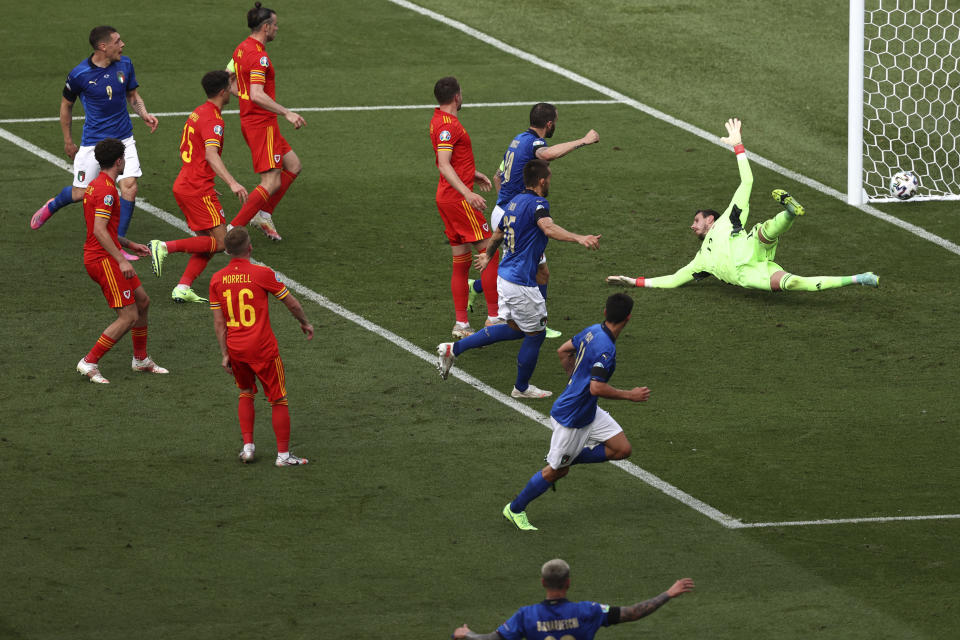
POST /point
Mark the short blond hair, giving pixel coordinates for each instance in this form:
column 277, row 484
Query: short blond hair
column 555, row 573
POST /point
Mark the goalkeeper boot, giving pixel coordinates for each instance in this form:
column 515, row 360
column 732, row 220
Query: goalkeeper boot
column 91, row 370
column 41, row 216
column 158, row 253
column 518, row 519
column 789, row 203
column 471, row 294
column 248, row 452
column 868, row 279
column 186, row 294
column 147, row 365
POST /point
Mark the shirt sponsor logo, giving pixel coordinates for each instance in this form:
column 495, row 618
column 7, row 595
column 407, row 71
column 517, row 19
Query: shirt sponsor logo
column 264, row 61
column 445, row 136
column 108, row 200
column 217, row 129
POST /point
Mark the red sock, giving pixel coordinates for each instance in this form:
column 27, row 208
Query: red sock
column 255, row 201
column 139, row 335
column 246, row 412
column 286, row 179
column 488, row 278
column 458, row 285
column 104, row 344
column 195, row 266
column 197, row 244
column 281, row 425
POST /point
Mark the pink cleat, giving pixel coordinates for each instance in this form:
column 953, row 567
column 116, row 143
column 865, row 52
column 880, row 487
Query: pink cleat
column 129, row 256
column 41, row 216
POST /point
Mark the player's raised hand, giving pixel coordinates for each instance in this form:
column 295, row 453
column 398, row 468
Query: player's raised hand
column 295, row 119
column 484, row 181
column 638, row 394
column 592, row 137
column 624, row 280
column 733, row 132
column 590, row 242
column 683, row 585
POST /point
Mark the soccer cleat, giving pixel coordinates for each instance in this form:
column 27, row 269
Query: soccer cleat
column 129, row 256
column 186, row 295
column 531, row 392
column 869, row 279
column 158, row 253
column 41, row 216
column 247, row 453
column 147, row 365
column 471, row 294
column 491, row 322
column 265, row 224
column 462, row 330
column 445, row 358
column 519, row 519
column 793, row 207
column 91, row 370
column 290, row 461
column 552, row 333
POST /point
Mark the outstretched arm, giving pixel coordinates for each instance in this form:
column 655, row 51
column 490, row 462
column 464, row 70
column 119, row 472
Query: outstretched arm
column 556, row 232
column 645, row 608
column 681, row 277
column 741, row 199
column 562, row 149
column 464, row 632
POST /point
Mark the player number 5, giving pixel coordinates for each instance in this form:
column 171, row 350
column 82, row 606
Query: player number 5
column 187, row 133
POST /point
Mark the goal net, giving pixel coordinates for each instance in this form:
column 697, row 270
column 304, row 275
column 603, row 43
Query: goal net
column 904, row 97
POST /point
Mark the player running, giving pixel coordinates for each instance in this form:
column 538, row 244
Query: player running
column 200, row 148
column 508, row 179
column 273, row 158
column 740, row 258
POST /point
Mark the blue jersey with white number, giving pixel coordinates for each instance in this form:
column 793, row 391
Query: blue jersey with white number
column 103, row 93
column 596, row 359
column 522, row 150
column 558, row 619
column 523, row 240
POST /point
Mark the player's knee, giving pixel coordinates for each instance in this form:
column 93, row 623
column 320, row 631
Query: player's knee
column 552, row 475
column 270, row 180
column 293, row 165
column 622, row 452
column 128, row 189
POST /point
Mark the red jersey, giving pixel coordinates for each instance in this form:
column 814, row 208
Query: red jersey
column 204, row 128
column 446, row 133
column 100, row 200
column 253, row 67
column 240, row 290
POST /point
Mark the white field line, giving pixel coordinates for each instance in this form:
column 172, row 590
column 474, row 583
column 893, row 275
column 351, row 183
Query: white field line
column 697, row 505
column 660, row 115
column 385, row 107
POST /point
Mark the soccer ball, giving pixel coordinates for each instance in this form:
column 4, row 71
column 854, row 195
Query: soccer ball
column 904, row 185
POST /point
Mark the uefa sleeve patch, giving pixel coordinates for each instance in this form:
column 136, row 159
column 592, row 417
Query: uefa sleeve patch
column 217, row 129
column 445, row 136
column 264, row 61
column 108, row 200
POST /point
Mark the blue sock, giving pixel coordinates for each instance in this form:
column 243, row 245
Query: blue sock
column 535, row 488
column 478, row 286
column 543, row 290
column 126, row 214
column 590, row 455
column 488, row 335
column 61, row 200
column 527, row 359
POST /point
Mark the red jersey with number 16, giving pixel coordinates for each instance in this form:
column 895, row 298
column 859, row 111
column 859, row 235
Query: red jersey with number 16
column 240, row 291
column 100, row 200
column 448, row 134
column 253, row 67
column 204, row 128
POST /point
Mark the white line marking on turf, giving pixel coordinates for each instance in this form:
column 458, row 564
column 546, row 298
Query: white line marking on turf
column 660, row 115
column 807, row 523
column 385, row 107
column 639, row 473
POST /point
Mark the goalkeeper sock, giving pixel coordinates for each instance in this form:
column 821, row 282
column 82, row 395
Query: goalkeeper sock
column 792, row 282
column 771, row 229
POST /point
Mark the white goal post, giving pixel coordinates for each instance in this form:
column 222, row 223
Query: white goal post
column 904, row 98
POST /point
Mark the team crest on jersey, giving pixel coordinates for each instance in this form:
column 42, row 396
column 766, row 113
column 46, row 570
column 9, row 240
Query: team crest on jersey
column 445, row 136
column 486, row 227
column 81, row 175
column 108, row 200
column 264, row 61
column 276, row 157
column 564, row 459
column 120, row 76
column 126, row 294
column 217, row 129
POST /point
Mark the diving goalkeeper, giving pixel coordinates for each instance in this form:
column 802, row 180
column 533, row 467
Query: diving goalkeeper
column 745, row 258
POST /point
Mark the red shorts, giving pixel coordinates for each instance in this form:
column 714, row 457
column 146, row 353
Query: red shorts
column 462, row 223
column 201, row 211
column 269, row 373
column 116, row 289
column 267, row 146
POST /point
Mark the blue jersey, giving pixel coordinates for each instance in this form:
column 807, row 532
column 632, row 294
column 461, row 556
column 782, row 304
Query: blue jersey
column 596, row 359
column 103, row 93
column 523, row 240
column 559, row 619
column 522, row 150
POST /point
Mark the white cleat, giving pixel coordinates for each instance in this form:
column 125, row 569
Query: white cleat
column 91, row 370
column 445, row 358
column 531, row 392
column 264, row 222
column 290, row 461
column 147, row 365
column 462, row 330
column 247, row 454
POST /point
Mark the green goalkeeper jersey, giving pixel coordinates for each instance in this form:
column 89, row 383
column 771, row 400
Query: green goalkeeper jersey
column 728, row 251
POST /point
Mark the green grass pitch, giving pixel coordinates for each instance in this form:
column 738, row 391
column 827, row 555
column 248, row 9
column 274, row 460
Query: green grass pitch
column 124, row 511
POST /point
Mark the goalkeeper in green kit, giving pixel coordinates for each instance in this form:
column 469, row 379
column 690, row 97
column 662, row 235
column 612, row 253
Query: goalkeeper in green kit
column 740, row 257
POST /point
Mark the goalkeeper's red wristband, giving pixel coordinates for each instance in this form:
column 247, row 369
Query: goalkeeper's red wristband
column 738, row 149
column 639, row 282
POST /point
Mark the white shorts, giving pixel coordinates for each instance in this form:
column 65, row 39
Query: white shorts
column 495, row 218
column 566, row 443
column 86, row 167
column 523, row 305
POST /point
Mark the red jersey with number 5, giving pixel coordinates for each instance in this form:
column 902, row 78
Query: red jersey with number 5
column 100, row 200
column 240, row 291
column 446, row 133
column 253, row 67
column 204, row 128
